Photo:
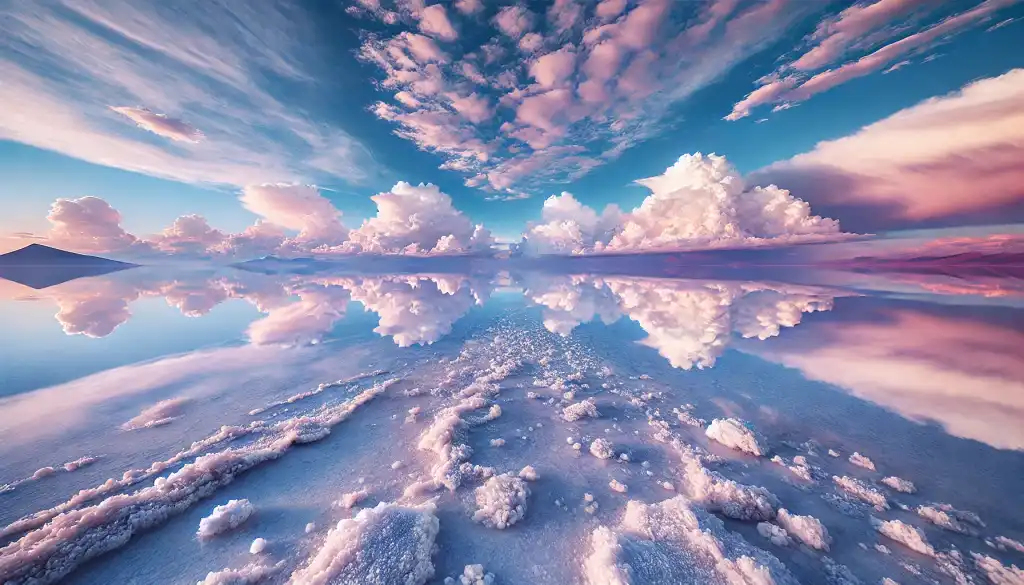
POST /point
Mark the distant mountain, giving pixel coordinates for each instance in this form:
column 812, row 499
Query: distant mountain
column 40, row 266
column 963, row 264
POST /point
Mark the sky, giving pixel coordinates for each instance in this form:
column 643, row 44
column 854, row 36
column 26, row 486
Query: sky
column 234, row 129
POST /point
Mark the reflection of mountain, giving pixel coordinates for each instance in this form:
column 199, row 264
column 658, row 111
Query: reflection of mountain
column 1001, row 264
column 689, row 322
column 961, row 372
column 300, row 309
column 40, row 266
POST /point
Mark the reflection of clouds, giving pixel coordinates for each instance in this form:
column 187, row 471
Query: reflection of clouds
column 304, row 321
column 688, row 322
column 418, row 309
column 300, row 309
column 966, row 375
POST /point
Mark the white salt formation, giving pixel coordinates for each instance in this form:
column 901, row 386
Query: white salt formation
column 862, row 491
column 673, row 542
column 529, row 473
column 996, row 572
column 75, row 535
column 738, row 435
column 246, row 575
column 899, row 484
column 225, row 517
column 501, row 501
column 584, row 409
column 79, row 463
column 602, row 449
column 349, row 500
column 905, row 534
column 258, row 546
column 862, row 461
column 807, row 529
column 718, row 494
column 472, row 575
column 1003, row 543
column 776, row 535
column 386, row 545
column 618, row 486
column 946, row 517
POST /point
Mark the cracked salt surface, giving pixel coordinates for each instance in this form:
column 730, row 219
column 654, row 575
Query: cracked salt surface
column 530, row 449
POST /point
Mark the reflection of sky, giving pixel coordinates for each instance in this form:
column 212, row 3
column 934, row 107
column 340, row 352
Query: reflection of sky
column 959, row 366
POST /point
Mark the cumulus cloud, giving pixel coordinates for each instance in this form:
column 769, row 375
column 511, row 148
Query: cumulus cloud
column 858, row 27
column 88, row 224
column 699, row 202
column 189, row 234
column 417, row 220
column 162, row 124
column 297, row 207
column 319, row 307
column 915, row 165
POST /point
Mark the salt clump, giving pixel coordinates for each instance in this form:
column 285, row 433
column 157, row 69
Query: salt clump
column 863, row 491
column 258, row 546
column 385, row 545
column 807, row 529
column 862, row 461
column 602, row 449
column 905, row 534
column 673, row 542
column 899, row 484
column 501, row 501
column 776, row 535
column 737, row 434
column 247, row 575
column 225, row 517
column 472, row 575
column 584, row 409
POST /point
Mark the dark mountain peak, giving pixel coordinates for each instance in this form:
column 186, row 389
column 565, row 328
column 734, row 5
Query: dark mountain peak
column 40, row 255
column 40, row 266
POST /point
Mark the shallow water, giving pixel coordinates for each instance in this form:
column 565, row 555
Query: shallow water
column 924, row 377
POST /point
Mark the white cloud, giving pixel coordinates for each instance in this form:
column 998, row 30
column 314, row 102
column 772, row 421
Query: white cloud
column 434, row 21
column 699, row 202
column 88, row 224
column 416, row 220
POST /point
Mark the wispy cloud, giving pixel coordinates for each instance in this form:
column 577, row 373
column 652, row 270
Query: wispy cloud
column 854, row 30
column 69, row 68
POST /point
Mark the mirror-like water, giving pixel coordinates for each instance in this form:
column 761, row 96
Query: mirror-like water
column 156, row 395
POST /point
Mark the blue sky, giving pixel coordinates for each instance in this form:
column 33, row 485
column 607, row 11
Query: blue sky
column 290, row 95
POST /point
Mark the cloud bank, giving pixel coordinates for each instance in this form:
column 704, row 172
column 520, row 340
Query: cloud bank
column 699, row 202
column 296, row 220
column 915, row 166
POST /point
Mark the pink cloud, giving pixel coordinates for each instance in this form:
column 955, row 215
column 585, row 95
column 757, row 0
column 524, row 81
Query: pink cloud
column 472, row 107
column 849, row 27
column 564, row 15
column 88, row 224
column 469, row 6
column 554, row 69
column 188, row 234
column 835, row 36
column 297, row 207
column 514, row 21
column 918, row 163
column 531, row 42
column 609, row 9
column 434, row 21
column 160, row 124
column 766, row 94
